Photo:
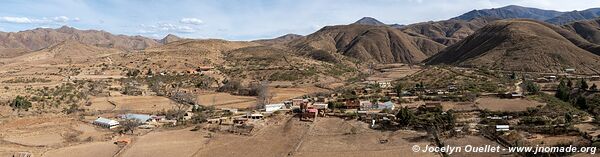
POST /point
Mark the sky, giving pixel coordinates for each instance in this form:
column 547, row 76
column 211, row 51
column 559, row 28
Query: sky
column 240, row 19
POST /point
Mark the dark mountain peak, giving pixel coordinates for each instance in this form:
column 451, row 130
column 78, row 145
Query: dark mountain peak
column 369, row 21
column 170, row 38
column 511, row 11
column 289, row 36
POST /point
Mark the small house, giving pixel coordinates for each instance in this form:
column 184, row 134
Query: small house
column 253, row 116
column 320, row 106
column 570, row 70
column 502, row 128
column 351, row 104
column 274, row 107
column 386, row 105
column 298, row 102
column 142, row 118
column 104, row 122
column 366, row 105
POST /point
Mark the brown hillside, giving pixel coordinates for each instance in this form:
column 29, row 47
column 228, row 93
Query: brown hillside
column 279, row 40
column 589, row 30
column 519, row 45
column 381, row 44
column 447, row 32
column 40, row 38
column 67, row 51
column 274, row 64
column 169, row 39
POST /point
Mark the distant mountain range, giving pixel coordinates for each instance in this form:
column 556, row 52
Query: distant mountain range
column 40, row 38
column 550, row 16
column 507, row 38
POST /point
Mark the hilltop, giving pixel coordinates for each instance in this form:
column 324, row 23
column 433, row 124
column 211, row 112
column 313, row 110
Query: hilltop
column 382, row 44
column 519, row 45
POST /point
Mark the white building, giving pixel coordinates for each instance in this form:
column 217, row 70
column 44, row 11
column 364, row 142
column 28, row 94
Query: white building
column 320, row 106
column 500, row 128
column 104, row 122
column 274, row 107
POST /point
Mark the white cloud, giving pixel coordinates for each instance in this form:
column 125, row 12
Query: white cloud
column 165, row 28
column 60, row 19
column 44, row 20
column 19, row 20
column 193, row 21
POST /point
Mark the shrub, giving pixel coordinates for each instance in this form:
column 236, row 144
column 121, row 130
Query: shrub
column 20, row 103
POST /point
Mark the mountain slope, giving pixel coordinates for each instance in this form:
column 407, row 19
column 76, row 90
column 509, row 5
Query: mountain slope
column 575, row 16
column 279, row 40
column 511, row 11
column 66, row 52
column 169, row 39
column 369, row 43
column 40, row 38
column 447, row 32
column 519, row 45
column 589, row 30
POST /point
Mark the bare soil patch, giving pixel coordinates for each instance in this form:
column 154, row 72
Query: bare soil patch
column 497, row 104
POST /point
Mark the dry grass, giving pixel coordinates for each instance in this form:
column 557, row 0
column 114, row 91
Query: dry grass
column 497, row 104
column 95, row 149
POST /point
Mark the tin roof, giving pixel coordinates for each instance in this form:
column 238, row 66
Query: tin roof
column 106, row 121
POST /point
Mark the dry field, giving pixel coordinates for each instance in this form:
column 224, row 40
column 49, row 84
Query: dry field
column 394, row 71
column 282, row 94
column 552, row 140
column 181, row 142
column 141, row 104
column 514, row 105
column 476, row 141
column 94, row 149
column 333, row 137
column 40, row 134
column 226, row 100
column 278, row 139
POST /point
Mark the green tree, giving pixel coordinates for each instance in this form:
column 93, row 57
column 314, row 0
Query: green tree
column 562, row 91
column 531, row 87
column 583, row 85
column 513, row 76
column 20, row 103
column 568, row 117
column 581, row 102
column 405, row 116
column 570, row 84
column 398, row 89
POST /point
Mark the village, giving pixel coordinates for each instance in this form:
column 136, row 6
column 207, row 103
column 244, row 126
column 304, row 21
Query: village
column 523, row 112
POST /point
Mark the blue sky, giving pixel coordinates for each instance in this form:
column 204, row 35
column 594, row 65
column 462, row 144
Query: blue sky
column 239, row 19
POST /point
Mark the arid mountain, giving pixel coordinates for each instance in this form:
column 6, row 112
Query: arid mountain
column 40, row 38
column 520, row 45
column 169, row 39
column 447, row 32
column 369, row 21
column 575, row 16
column 511, row 11
column 274, row 64
column 381, row 44
column 279, row 40
column 589, row 30
column 67, row 52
